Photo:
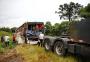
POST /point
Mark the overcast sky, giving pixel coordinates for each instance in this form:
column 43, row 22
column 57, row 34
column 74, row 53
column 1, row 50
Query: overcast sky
column 16, row 12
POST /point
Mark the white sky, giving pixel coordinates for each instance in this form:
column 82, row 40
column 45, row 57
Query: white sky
column 16, row 12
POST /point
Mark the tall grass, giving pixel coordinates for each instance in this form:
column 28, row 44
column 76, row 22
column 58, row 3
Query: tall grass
column 37, row 54
column 5, row 33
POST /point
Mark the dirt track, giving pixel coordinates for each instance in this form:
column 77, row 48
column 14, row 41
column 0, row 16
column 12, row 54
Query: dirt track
column 10, row 56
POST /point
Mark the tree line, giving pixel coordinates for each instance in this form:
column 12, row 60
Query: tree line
column 7, row 29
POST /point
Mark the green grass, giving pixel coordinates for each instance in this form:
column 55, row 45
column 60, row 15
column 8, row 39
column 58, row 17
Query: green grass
column 33, row 53
column 5, row 33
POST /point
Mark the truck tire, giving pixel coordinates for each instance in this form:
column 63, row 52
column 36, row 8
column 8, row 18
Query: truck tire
column 59, row 48
column 47, row 44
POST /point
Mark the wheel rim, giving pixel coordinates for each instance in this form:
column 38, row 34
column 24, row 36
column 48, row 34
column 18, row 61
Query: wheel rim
column 59, row 48
column 47, row 46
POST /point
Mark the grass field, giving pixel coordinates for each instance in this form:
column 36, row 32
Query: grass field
column 6, row 33
column 34, row 53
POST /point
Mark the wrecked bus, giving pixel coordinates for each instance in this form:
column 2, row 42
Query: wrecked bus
column 30, row 31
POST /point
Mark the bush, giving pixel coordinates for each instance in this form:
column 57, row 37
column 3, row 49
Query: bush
column 11, row 45
column 1, row 48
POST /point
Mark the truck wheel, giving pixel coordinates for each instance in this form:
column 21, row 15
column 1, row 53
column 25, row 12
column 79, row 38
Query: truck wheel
column 59, row 48
column 47, row 45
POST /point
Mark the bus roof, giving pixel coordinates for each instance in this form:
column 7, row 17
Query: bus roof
column 28, row 23
column 35, row 23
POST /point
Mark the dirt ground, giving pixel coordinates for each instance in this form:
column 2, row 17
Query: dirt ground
column 10, row 56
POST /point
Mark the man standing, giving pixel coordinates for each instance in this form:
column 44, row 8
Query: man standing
column 7, row 40
column 14, row 39
column 41, row 37
column 2, row 40
column 24, row 34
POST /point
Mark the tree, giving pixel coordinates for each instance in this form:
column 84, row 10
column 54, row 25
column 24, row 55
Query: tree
column 13, row 29
column 7, row 29
column 55, row 29
column 85, row 11
column 69, row 11
column 63, row 27
column 48, row 28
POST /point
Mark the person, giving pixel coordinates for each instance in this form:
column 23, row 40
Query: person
column 24, row 34
column 14, row 38
column 7, row 40
column 41, row 38
column 2, row 40
column 18, row 38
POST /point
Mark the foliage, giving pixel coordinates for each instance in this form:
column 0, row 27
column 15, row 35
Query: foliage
column 48, row 28
column 85, row 11
column 64, row 27
column 1, row 48
column 57, row 29
column 13, row 29
column 69, row 11
column 7, row 29
column 11, row 45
